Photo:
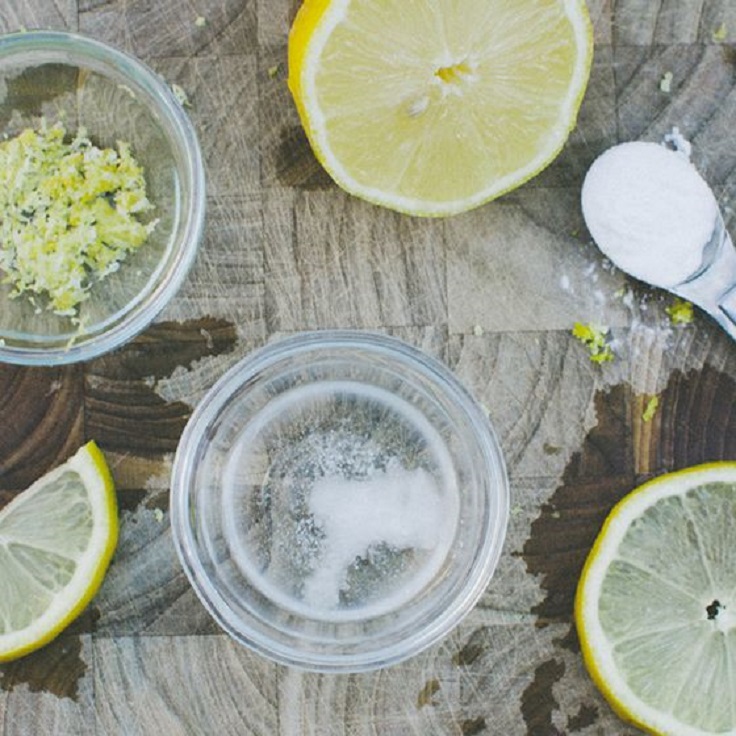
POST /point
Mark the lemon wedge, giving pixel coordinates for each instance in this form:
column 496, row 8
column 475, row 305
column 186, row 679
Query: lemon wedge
column 656, row 604
column 432, row 108
column 56, row 542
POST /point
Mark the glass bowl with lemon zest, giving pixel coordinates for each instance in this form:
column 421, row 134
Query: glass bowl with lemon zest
column 101, row 197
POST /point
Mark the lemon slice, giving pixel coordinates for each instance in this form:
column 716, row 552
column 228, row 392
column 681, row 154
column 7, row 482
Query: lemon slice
column 656, row 604
column 434, row 107
column 56, row 541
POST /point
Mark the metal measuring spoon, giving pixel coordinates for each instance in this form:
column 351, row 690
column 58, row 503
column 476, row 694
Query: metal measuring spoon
column 649, row 189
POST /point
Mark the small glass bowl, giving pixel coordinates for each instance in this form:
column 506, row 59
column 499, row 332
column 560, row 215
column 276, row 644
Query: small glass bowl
column 64, row 77
column 339, row 501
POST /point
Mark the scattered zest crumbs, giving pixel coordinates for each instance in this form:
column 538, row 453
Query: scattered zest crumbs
column 595, row 338
column 680, row 312
column 650, row 409
column 720, row 34
column 181, row 95
column 68, row 214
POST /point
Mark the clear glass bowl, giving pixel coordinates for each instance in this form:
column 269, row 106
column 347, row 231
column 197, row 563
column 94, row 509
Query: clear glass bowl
column 339, row 501
column 66, row 77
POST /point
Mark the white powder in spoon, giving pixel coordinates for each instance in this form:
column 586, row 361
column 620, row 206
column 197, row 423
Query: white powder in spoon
column 649, row 211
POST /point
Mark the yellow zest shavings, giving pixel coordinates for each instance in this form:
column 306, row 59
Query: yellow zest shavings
column 69, row 214
column 200, row 21
column 720, row 34
column 595, row 338
column 650, row 409
column 181, row 95
column 680, row 312
column 665, row 84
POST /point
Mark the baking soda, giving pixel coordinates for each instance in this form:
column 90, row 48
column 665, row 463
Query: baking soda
column 396, row 510
column 650, row 211
column 345, row 499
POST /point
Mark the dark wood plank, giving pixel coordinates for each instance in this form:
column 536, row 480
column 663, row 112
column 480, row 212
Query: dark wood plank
column 41, row 411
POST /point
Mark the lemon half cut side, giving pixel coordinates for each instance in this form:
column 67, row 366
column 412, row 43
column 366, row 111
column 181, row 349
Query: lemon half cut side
column 434, row 107
column 656, row 604
column 56, row 541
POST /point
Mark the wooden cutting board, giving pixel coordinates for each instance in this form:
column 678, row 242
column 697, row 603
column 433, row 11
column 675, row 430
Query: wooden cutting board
column 493, row 293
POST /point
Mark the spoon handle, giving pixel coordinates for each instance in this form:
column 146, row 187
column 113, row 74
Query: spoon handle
column 714, row 288
column 727, row 309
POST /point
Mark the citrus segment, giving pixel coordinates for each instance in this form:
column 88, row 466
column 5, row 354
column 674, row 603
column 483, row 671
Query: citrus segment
column 56, row 541
column 432, row 108
column 656, row 604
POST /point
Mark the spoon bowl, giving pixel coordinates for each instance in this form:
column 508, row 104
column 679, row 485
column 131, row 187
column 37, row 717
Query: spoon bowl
column 653, row 215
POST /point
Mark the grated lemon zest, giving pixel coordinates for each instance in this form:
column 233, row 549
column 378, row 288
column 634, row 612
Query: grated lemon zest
column 680, row 312
column 650, row 409
column 720, row 34
column 69, row 214
column 595, row 338
column 181, row 95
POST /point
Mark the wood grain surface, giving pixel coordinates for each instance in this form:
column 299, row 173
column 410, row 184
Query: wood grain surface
column 493, row 293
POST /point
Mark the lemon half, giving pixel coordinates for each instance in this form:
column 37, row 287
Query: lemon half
column 56, row 542
column 432, row 107
column 656, row 604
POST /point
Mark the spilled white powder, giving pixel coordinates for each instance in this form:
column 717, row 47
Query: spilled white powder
column 649, row 211
column 399, row 508
column 679, row 142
